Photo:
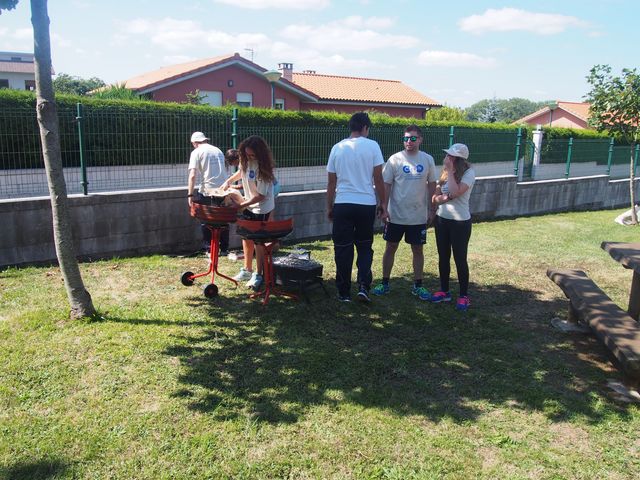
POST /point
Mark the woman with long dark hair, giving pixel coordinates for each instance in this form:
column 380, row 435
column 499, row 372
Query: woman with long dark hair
column 257, row 174
column 453, row 222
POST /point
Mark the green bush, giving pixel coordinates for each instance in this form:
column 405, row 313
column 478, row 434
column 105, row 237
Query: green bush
column 143, row 132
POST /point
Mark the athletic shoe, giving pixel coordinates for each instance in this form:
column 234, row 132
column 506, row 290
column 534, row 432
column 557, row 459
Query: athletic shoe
column 463, row 303
column 381, row 289
column 255, row 281
column 223, row 253
column 242, row 275
column 344, row 298
column 363, row 295
column 441, row 297
column 422, row 293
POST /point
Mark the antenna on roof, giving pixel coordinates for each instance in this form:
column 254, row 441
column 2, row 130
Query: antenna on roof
column 249, row 50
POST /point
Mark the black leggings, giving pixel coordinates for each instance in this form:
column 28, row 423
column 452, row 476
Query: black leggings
column 453, row 235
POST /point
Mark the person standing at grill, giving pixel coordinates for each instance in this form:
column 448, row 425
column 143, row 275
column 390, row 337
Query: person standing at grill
column 257, row 174
column 410, row 181
column 354, row 167
column 453, row 222
column 207, row 162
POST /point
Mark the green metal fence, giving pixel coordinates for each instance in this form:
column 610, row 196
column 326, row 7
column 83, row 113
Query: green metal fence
column 109, row 148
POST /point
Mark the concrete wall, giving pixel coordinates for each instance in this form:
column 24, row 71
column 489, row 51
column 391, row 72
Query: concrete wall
column 142, row 222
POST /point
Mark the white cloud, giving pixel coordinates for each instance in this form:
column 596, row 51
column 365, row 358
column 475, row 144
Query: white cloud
column 180, row 35
column 513, row 19
column 23, row 34
column 441, row 58
column 309, row 59
column 278, row 4
column 354, row 34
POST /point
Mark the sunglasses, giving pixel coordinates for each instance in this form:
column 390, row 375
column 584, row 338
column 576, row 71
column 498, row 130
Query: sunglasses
column 413, row 138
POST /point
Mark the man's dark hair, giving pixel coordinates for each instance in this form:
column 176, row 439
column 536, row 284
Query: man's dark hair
column 413, row 128
column 358, row 121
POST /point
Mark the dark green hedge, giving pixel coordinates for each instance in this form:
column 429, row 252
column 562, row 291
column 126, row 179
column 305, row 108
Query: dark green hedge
column 117, row 132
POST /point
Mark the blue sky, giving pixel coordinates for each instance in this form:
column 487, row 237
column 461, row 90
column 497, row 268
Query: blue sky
column 456, row 52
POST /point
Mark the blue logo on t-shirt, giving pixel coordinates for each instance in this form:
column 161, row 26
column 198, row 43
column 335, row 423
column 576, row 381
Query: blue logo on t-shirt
column 252, row 174
column 406, row 169
column 419, row 168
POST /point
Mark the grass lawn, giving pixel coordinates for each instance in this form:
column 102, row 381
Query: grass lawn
column 170, row 385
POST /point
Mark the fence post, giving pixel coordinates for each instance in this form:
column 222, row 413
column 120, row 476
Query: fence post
column 566, row 172
column 83, row 166
column 610, row 156
column 635, row 159
column 234, row 129
column 516, row 166
column 451, row 132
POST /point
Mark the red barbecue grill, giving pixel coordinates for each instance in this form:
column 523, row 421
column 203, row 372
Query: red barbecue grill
column 215, row 218
column 267, row 234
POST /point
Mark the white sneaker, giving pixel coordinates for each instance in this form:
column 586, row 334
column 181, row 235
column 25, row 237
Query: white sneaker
column 255, row 281
column 242, row 275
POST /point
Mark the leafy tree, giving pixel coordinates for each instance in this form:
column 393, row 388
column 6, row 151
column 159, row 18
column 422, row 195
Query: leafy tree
column 65, row 83
column 195, row 97
column 446, row 113
column 117, row 92
column 491, row 113
column 615, row 109
column 79, row 298
column 510, row 109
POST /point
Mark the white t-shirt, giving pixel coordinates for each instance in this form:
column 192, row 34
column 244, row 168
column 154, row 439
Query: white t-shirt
column 353, row 161
column 209, row 163
column 458, row 208
column 409, row 176
column 252, row 185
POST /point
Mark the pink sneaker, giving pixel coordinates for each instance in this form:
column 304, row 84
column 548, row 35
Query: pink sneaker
column 440, row 297
column 463, row 303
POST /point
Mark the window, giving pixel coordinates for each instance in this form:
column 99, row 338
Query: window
column 211, row 98
column 30, row 85
column 244, row 99
column 4, row 83
column 279, row 104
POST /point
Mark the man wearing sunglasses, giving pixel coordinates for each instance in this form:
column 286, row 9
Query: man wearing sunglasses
column 410, row 181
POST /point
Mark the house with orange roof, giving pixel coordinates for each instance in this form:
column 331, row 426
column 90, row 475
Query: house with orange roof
column 17, row 71
column 562, row 114
column 233, row 79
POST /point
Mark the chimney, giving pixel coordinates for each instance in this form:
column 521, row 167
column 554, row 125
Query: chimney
column 287, row 71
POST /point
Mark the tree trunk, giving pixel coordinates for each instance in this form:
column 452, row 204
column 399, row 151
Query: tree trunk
column 79, row 298
column 632, row 190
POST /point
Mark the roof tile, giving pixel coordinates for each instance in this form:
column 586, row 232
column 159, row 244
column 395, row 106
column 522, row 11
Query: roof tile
column 355, row 89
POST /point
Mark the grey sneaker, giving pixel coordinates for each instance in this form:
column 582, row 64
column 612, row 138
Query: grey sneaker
column 344, row 298
column 254, row 280
column 242, row 275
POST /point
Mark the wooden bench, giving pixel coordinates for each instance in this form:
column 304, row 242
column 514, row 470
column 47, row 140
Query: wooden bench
column 618, row 331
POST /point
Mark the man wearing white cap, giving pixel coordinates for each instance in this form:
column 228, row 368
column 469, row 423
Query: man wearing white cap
column 206, row 161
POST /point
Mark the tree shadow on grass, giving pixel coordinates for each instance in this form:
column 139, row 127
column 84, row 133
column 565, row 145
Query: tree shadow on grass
column 42, row 470
column 273, row 363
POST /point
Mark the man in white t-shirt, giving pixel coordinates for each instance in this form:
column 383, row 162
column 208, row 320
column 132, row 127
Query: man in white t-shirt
column 354, row 167
column 207, row 162
column 410, row 180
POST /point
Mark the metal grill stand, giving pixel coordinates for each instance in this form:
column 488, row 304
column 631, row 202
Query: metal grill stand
column 267, row 234
column 215, row 219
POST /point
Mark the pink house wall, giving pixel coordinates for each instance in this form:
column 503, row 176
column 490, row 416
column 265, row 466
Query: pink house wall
column 393, row 111
column 243, row 81
column 560, row 118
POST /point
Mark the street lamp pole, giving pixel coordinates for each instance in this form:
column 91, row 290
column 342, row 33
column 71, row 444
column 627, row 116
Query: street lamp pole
column 272, row 77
